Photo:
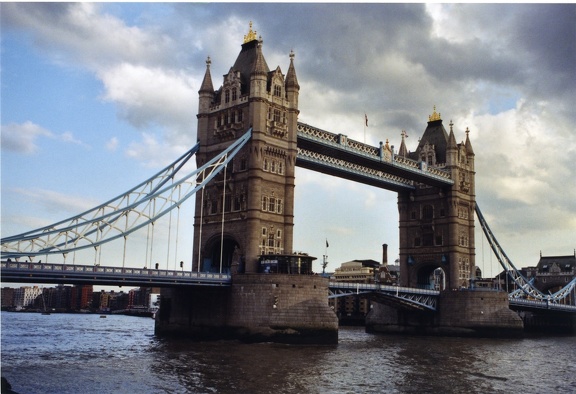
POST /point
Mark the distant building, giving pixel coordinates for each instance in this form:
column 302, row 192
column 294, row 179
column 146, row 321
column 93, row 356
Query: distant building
column 7, row 297
column 352, row 309
column 357, row 271
column 25, row 297
column 555, row 272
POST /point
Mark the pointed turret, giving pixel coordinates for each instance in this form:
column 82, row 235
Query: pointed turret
column 469, row 149
column 259, row 67
column 403, row 151
column 452, row 148
column 291, row 80
column 207, row 86
column 206, row 92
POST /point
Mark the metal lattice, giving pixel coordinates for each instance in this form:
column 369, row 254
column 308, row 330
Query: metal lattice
column 121, row 216
column 525, row 287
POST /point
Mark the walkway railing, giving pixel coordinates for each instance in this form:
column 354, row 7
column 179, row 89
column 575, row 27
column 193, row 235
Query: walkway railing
column 106, row 275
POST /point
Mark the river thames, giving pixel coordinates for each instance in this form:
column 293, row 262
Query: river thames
column 76, row 353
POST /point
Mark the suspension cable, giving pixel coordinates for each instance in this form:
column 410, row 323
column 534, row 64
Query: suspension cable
column 222, row 230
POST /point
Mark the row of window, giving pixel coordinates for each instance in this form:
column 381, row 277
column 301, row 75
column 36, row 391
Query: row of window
column 429, row 240
column 463, row 268
column 230, row 94
column 272, row 204
column 427, row 213
column 276, row 115
column 271, row 242
column 273, row 166
column 229, row 117
column 231, row 204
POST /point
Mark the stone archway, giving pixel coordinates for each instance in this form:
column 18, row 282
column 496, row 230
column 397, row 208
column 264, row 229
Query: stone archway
column 228, row 248
column 431, row 276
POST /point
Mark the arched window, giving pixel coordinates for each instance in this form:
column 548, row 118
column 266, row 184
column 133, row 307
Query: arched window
column 277, row 91
column 427, row 212
column 234, row 94
column 227, row 96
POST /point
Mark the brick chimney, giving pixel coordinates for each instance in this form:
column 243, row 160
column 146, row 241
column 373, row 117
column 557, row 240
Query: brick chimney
column 385, row 255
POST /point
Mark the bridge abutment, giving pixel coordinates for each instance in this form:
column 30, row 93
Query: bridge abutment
column 255, row 308
column 460, row 312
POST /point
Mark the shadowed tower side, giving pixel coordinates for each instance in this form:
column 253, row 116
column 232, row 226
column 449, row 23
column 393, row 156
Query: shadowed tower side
column 248, row 209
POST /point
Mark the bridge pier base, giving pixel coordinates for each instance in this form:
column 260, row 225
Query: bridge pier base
column 255, row 308
column 459, row 313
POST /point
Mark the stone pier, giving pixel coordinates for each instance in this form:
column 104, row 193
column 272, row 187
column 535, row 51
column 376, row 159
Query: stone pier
column 460, row 313
column 256, row 308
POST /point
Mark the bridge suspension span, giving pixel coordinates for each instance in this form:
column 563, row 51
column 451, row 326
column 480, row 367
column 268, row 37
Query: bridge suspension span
column 526, row 287
column 124, row 214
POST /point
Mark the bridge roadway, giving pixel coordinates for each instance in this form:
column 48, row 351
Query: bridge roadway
column 404, row 297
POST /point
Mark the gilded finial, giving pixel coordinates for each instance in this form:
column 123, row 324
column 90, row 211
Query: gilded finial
column 291, row 54
column 208, row 62
column 251, row 36
column 451, row 125
column 467, row 132
column 434, row 116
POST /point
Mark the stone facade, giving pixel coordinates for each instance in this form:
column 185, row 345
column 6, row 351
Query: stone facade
column 257, row 307
column 437, row 224
column 256, row 193
column 462, row 313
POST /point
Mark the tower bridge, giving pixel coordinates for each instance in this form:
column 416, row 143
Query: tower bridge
column 249, row 143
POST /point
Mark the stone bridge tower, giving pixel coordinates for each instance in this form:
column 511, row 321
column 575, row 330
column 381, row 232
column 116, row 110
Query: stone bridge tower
column 255, row 196
column 437, row 224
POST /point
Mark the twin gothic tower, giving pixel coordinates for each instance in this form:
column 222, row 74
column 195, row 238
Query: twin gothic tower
column 255, row 195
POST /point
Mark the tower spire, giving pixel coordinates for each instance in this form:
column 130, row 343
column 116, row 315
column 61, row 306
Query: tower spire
column 291, row 80
column 207, row 86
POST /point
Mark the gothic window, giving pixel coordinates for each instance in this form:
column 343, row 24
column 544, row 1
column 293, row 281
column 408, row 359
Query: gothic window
column 264, row 203
column 266, row 165
column 279, row 206
column 227, row 203
column 272, row 204
column 280, row 168
column 264, row 231
column 237, row 203
column 278, row 233
column 428, row 212
column 277, row 91
column 273, row 166
column 214, row 206
column 276, row 115
column 234, row 94
column 227, row 96
column 243, row 164
column 239, row 119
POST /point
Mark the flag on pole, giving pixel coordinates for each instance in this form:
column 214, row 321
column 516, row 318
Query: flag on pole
column 366, row 119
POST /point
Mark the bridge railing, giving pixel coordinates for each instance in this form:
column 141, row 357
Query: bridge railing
column 107, row 270
column 542, row 304
column 363, row 287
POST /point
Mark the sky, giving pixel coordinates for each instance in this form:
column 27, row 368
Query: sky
column 96, row 98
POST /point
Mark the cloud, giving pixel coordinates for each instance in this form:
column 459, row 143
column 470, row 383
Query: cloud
column 22, row 138
column 112, row 144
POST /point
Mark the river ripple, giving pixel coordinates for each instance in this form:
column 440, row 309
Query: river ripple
column 73, row 353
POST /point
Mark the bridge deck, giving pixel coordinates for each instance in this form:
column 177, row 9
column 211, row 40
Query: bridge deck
column 17, row 272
